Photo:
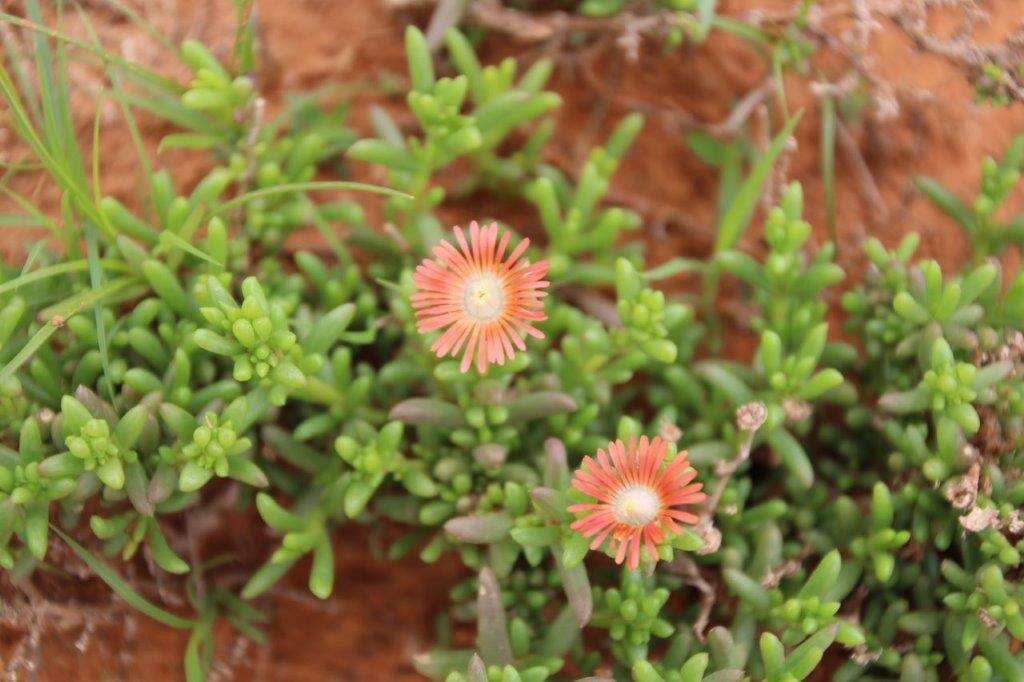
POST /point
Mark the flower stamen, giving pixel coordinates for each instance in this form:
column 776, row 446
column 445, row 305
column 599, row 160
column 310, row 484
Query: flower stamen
column 483, row 297
column 636, row 506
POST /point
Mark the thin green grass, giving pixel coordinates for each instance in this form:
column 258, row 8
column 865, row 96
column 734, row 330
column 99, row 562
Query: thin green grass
column 96, row 277
column 105, row 56
column 307, row 187
column 828, row 163
column 57, row 270
column 122, row 588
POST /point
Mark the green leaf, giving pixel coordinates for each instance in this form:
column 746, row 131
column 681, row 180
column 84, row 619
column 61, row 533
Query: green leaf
column 56, row 315
column 792, row 455
column 721, row 376
column 247, row 472
column 576, row 584
column 823, row 577
column 163, row 555
column 773, row 654
column 428, row 412
column 747, row 589
column 705, row 17
column 492, row 627
column 946, row 202
column 479, row 528
column 170, row 240
column 265, row 577
column 276, row 516
column 312, row 186
column 111, row 473
column 197, row 652
column 193, row 477
column 805, row 658
column 187, row 141
column 321, row 575
column 540, row 404
column 421, row 67
column 828, row 162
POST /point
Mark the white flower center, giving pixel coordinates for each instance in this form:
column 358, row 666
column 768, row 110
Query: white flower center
column 483, row 297
column 636, row 505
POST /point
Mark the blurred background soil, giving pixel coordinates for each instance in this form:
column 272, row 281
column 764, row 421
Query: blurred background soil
column 382, row 612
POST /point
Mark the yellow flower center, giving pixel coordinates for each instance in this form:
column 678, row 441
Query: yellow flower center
column 636, row 505
column 483, row 297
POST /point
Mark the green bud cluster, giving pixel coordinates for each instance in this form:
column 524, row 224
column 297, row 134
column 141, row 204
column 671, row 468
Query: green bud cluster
column 213, row 90
column 94, row 446
column 15, row 407
column 644, row 315
column 871, row 314
column 24, row 483
column 572, row 216
column 255, row 335
column 272, row 164
column 950, row 387
column 587, row 362
column 499, row 105
column 207, row 454
column 228, row 114
column 376, row 457
column 631, row 614
column 992, row 602
column 994, row 544
column 207, row 446
column 524, row 592
column 370, row 461
column 28, row 487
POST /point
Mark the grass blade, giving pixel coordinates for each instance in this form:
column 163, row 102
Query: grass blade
column 828, row 162
column 85, row 299
column 947, row 202
column 36, row 216
column 705, row 15
column 115, row 83
column 737, row 216
column 106, row 57
column 139, row 21
column 96, row 273
column 170, row 240
column 27, row 351
column 55, row 165
column 307, row 187
column 57, row 270
column 55, row 316
column 123, row 589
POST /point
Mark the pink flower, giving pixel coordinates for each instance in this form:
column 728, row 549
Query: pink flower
column 635, row 497
column 482, row 299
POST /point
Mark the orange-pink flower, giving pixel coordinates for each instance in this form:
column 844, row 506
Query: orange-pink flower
column 482, row 299
column 635, row 497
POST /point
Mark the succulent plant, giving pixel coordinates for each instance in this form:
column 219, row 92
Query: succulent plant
column 628, row 500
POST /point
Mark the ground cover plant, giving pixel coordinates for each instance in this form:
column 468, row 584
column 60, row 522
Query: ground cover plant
column 627, row 500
